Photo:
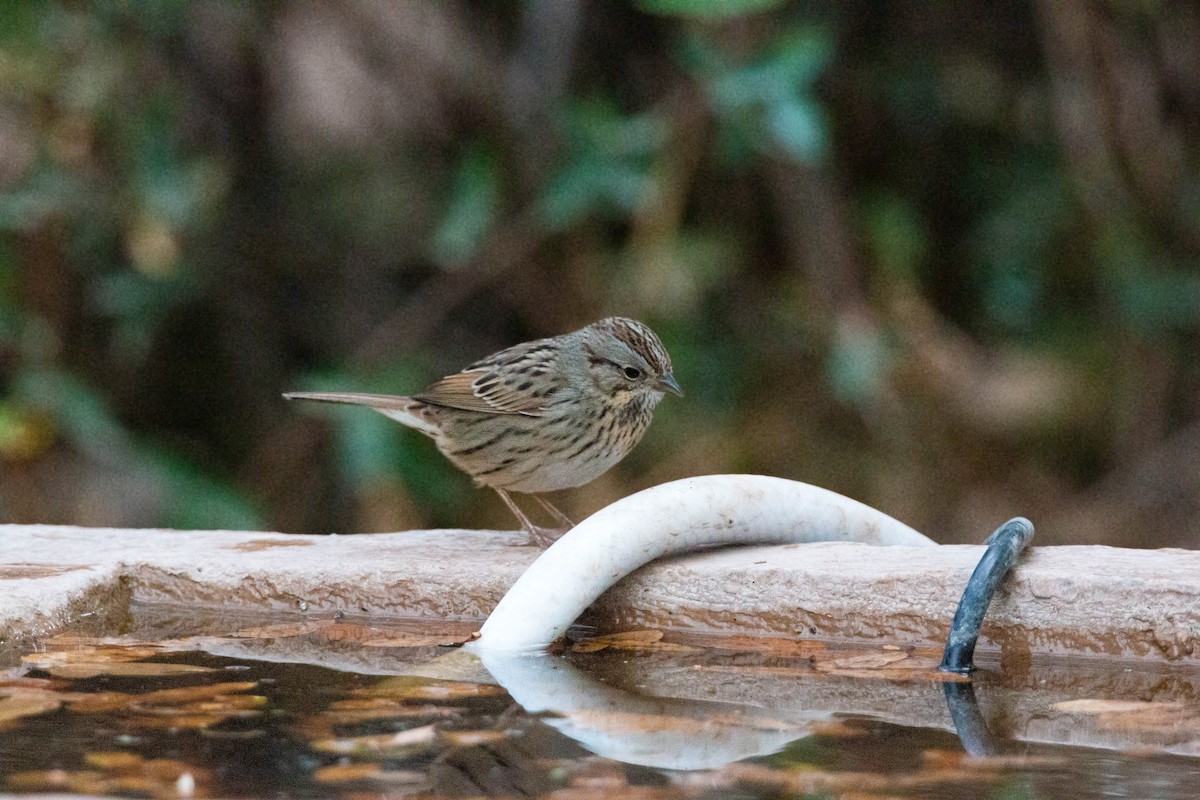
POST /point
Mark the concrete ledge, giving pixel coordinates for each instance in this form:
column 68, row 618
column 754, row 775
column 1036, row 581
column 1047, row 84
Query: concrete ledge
column 1067, row 600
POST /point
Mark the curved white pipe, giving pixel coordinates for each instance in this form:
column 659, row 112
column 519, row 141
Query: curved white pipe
column 671, row 518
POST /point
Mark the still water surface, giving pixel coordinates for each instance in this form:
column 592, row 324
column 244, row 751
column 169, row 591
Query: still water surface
column 177, row 705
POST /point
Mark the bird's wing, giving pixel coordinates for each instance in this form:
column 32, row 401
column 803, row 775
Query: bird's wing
column 513, row 381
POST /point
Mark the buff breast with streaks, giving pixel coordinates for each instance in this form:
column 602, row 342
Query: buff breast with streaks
column 543, row 415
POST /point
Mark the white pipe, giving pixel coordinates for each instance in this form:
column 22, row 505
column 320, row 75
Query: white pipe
column 672, row 518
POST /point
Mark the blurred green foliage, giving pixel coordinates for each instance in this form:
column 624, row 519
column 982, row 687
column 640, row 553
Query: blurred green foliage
column 932, row 258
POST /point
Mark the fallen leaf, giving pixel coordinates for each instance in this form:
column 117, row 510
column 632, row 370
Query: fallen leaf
column 169, row 769
column 383, row 745
column 471, row 738
column 126, row 669
column 132, row 784
column 347, row 712
column 186, row 694
column 37, row 780
column 87, row 655
column 1099, row 706
column 625, row 640
column 100, row 702
column 410, row 687
column 28, row 703
column 344, row 773
column 113, row 762
column 232, row 704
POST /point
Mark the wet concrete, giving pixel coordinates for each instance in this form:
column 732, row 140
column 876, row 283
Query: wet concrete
column 1075, row 600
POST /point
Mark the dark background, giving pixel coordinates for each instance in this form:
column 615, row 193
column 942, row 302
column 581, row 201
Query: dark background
column 941, row 257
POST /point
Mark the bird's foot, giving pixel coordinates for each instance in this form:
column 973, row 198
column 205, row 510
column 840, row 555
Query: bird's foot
column 536, row 535
column 541, row 537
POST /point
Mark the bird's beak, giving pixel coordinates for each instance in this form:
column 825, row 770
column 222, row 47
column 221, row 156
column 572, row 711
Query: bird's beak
column 667, row 383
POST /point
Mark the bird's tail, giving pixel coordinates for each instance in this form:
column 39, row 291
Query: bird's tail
column 405, row 410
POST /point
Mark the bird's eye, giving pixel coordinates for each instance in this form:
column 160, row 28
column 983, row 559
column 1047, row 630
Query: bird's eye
column 633, row 373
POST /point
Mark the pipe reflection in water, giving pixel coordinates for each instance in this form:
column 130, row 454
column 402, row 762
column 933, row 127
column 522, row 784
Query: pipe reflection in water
column 972, row 728
column 661, row 732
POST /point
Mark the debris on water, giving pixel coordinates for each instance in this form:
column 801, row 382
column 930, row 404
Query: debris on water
column 179, row 707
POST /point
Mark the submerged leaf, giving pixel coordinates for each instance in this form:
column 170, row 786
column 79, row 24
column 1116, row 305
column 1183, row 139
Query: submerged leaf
column 408, row 687
column 126, row 669
column 625, row 640
column 1099, row 706
column 404, row 744
column 27, row 703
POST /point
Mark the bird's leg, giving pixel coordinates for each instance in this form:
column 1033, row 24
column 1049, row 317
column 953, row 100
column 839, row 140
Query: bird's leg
column 542, row 537
column 562, row 518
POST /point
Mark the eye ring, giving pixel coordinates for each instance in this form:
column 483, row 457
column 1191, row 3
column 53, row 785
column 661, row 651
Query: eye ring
column 632, row 373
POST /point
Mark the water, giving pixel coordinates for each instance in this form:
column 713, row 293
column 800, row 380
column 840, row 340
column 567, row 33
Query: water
column 351, row 709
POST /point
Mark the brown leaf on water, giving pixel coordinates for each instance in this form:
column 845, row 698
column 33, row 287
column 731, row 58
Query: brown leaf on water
column 114, row 761
column 470, row 738
column 39, row 780
column 284, row 630
column 345, row 773
column 625, row 640
column 351, row 773
column 27, row 703
column 1100, row 706
column 355, row 710
column 169, row 769
column 194, row 707
column 119, row 774
column 126, row 669
column 404, row 744
column 231, row 704
column 135, row 785
column 100, row 702
column 185, row 694
column 411, row 687
column 87, row 655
